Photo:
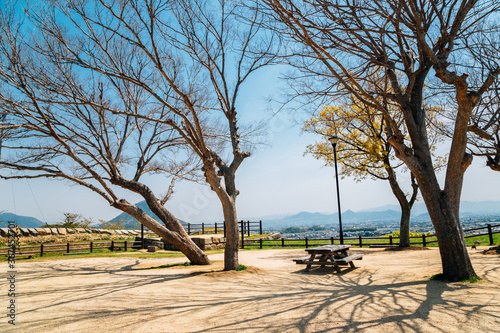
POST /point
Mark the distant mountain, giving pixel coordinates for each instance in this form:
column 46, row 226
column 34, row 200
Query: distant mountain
column 389, row 213
column 354, row 217
column 418, row 208
column 22, row 221
column 466, row 207
column 130, row 222
column 480, row 207
column 306, row 218
column 383, row 213
column 350, row 217
column 263, row 218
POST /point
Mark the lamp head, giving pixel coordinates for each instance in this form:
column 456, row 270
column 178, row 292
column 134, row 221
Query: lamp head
column 333, row 140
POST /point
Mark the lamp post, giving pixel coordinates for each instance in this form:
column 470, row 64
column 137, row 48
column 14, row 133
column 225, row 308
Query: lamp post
column 333, row 140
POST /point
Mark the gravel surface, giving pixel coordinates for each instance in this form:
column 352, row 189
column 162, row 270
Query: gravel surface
column 388, row 291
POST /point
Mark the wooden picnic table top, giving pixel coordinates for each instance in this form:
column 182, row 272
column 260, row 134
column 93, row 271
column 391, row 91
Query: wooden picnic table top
column 329, row 255
column 328, row 248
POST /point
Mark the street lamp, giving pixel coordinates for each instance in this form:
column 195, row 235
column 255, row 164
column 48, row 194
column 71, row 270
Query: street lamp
column 333, row 140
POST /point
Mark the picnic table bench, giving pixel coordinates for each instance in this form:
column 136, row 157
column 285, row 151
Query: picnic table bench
column 329, row 255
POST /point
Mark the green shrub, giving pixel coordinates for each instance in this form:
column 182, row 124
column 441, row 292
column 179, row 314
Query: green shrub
column 472, row 280
column 437, row 277
column 72, row 220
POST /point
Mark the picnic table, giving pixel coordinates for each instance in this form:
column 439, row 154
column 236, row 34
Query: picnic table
column 329, row 255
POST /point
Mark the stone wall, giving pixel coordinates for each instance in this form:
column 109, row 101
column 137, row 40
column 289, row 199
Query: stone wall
column 158, row 242
column 45, row 235
column 204, row 242
column 67, row 231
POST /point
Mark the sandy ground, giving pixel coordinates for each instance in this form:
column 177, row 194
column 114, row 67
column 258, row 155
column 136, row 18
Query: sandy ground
column 387, row 292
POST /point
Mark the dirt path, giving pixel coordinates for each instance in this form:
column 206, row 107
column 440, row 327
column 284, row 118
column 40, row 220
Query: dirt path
column 387, row 292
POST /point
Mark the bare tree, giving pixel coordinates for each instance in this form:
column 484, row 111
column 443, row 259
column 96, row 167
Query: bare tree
column 187, row 59
column 349, row 43
column 84, row 143
column 485, row 126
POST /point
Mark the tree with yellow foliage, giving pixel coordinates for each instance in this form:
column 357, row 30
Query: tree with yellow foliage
column 363, row 151
column 337, row 46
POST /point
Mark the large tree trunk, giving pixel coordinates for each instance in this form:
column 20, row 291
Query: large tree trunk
column 404, row 203
column 228, row 201
column 232, row 235
column 454, row 256
column 444, row 216
column 404, row 226
column 443, row 210
column 174, row 234
column 172, row 230
column 227, row 195
column 443, row 205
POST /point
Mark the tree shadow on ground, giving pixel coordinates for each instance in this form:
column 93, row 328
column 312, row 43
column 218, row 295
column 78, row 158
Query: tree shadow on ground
column 272, row 301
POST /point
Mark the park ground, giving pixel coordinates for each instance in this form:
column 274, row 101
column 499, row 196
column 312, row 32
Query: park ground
column 388, row 291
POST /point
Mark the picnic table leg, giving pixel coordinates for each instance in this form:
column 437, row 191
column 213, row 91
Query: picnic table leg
column 311, row 259
column 351, row 263
column 323, row 259
column 327, row 257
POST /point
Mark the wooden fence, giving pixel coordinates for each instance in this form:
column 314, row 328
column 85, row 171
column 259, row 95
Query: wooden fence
column 70, row 248
column 364, row 241
column 246, row 227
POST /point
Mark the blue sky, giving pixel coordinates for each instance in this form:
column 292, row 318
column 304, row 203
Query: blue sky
column 276, row 179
